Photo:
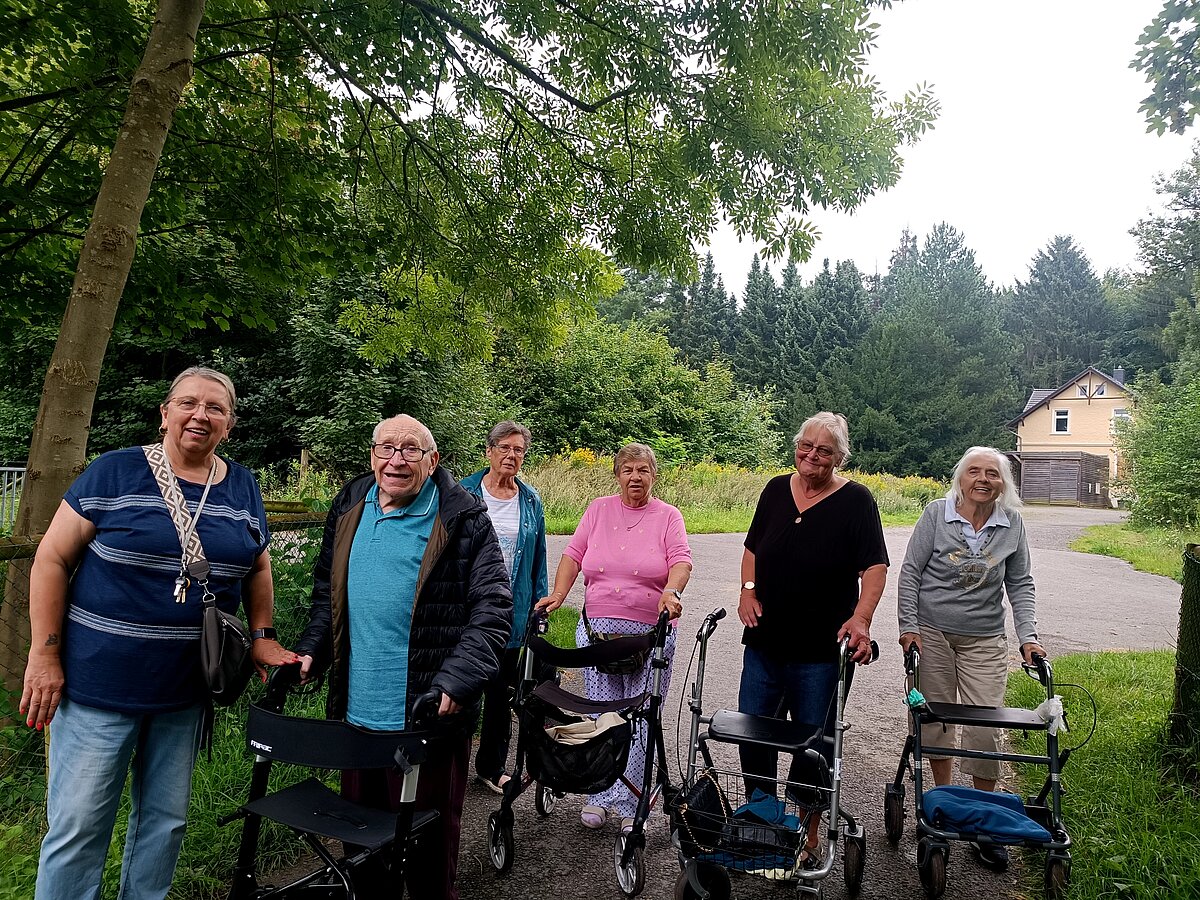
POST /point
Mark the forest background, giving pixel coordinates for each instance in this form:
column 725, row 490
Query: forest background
column 291, row 240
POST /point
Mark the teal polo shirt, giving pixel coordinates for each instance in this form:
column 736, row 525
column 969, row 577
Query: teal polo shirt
column 385, row 559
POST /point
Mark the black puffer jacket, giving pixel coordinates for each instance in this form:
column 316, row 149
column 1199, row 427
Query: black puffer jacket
column 463, row 610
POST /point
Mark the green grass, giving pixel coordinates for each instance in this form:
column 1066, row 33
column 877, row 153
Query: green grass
column 1134, row 821
column 1155, row 550
column 713, row 499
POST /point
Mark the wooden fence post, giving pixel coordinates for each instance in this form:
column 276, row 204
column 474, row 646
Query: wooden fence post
column 1185, row 712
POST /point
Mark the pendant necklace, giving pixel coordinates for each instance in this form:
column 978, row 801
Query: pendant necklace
column 639, row 518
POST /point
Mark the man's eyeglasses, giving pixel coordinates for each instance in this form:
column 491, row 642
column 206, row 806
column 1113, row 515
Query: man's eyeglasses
column 805, row 447
column 504, row 450
column 408, row 454
column 189, row 406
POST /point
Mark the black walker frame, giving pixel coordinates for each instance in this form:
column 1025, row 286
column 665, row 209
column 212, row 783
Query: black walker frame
column 933, row 846
column 534, row 703
column 318, row 814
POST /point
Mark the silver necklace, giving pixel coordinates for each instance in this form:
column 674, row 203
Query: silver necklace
column 645, row 510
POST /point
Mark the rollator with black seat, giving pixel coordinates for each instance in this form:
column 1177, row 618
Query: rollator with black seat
column 957, row 813
column 725, row 820
column 568, row 744
column 371, row 839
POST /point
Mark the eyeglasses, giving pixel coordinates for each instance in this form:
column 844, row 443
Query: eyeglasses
column 189, row 406
column 408, row 454
column 504, row 450
column 806, row 447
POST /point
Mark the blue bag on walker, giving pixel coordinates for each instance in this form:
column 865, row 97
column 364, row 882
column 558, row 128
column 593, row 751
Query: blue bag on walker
column 997, row 814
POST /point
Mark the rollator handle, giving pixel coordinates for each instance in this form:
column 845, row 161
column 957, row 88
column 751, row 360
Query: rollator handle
column 1040, row 669
column 844, row 648
column 710, row 623
column 280, row 680
column 425, row 709
column 912, row 659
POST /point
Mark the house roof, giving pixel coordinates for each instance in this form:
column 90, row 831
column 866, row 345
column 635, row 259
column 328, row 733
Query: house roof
column 1040, row 395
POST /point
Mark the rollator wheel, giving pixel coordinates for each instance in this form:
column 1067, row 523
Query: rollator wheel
column 714, row 879
column 1058, row 875
column 854, row 862
column 501, row 847
column 931, row 866
column 631, row 877
column 544, row 799
column 893, row 813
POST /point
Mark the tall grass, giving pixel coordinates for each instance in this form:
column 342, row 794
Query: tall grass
column 712, row 498
column 1131, row 815
column 1155, row 550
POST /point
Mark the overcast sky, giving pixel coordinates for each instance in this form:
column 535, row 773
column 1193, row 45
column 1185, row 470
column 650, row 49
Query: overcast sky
column 1039, row 134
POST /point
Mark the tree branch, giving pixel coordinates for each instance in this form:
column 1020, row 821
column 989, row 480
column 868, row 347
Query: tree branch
column 480, row 39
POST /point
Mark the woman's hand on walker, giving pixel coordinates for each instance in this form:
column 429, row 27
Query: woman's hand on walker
column 550, row 603
column 857, row 632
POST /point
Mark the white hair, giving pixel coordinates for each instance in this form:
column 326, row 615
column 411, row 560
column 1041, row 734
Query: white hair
column 1010, row 497
column 836, row 425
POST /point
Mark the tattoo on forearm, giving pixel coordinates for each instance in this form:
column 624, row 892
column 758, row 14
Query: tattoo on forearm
column 51, row 640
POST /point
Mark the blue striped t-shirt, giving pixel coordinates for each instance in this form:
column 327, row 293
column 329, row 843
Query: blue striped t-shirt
column 127, row 645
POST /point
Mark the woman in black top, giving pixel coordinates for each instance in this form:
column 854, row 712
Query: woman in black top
column 813, row 571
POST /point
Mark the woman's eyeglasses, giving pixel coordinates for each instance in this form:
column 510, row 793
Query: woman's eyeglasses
column 189, row 406
column 804, row 448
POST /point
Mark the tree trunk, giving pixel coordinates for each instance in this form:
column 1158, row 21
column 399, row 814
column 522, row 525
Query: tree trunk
column 1185, row 711
column 59, row 444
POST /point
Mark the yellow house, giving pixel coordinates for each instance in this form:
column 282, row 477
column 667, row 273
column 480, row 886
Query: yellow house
column 1072, row 423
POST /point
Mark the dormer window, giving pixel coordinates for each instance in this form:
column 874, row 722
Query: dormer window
column 1099, row 392
column 1082, row 390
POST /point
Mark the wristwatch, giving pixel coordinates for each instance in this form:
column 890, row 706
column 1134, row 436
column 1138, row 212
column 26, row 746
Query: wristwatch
column 748, row 586
column 267, row 633
column 678, row 594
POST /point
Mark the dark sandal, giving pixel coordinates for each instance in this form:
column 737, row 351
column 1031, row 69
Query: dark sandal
column 810, row 858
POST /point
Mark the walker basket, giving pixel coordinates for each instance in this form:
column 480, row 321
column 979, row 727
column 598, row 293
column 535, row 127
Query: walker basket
column 586, row 768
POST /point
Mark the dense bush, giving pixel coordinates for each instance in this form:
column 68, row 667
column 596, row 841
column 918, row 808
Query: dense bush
column 1162, row 453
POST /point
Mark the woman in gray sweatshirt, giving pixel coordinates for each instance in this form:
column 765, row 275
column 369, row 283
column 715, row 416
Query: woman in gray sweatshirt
column 967, row 551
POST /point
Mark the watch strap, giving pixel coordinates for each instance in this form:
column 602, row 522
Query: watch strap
column 265, row 633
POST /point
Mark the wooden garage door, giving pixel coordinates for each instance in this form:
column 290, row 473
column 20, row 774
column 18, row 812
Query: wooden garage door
column 1064, row 480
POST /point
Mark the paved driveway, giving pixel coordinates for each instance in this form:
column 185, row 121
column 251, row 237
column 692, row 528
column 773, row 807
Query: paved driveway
column 1084, row 603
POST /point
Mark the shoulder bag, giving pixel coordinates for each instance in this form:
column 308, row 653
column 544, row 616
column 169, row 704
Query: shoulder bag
column 225, row 644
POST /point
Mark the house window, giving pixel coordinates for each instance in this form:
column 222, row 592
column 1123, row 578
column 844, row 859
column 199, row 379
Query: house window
column 1082, row 390
column 1062, row 421
column 1120, row 414
column 1099, row 391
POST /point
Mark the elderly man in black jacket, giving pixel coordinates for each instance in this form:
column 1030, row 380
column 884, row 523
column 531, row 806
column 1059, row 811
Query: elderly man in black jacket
column 410, row 594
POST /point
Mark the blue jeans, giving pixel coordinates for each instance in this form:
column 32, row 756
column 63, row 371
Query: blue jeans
column 90, row 753
column 776, row 688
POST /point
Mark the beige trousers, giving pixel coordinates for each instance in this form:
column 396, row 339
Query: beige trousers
column 964, row 668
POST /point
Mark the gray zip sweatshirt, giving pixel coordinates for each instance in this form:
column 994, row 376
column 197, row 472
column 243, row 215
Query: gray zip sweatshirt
column 944, row 585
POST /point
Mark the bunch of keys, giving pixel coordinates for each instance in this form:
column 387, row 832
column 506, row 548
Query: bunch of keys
column 181, row 586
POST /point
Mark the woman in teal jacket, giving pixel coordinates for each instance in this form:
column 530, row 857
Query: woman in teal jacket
column 520, row 523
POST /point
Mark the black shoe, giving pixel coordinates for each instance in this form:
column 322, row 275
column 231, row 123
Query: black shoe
column 992, row 856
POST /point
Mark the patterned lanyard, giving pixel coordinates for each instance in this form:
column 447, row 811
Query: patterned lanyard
column 193, row 562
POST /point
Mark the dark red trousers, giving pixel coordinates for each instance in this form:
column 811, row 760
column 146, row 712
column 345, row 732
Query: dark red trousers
column 442, row 786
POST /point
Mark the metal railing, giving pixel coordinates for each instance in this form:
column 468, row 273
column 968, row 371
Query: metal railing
column 12, row 479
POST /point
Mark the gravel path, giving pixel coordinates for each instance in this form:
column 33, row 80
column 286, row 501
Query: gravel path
column 1084, row 603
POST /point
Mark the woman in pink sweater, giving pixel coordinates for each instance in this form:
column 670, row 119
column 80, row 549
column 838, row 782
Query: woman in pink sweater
column 632, row 549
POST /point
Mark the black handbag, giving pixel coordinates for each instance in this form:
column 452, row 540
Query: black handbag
column 701, row 815
column 225, row 657
column 630, row 665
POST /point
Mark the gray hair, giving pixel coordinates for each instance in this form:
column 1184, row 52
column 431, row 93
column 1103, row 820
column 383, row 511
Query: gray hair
column 635, row 451
column 835, row 424
column 1010, row 497
column 212, row 375
column 508, row 428
column 420, row 427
